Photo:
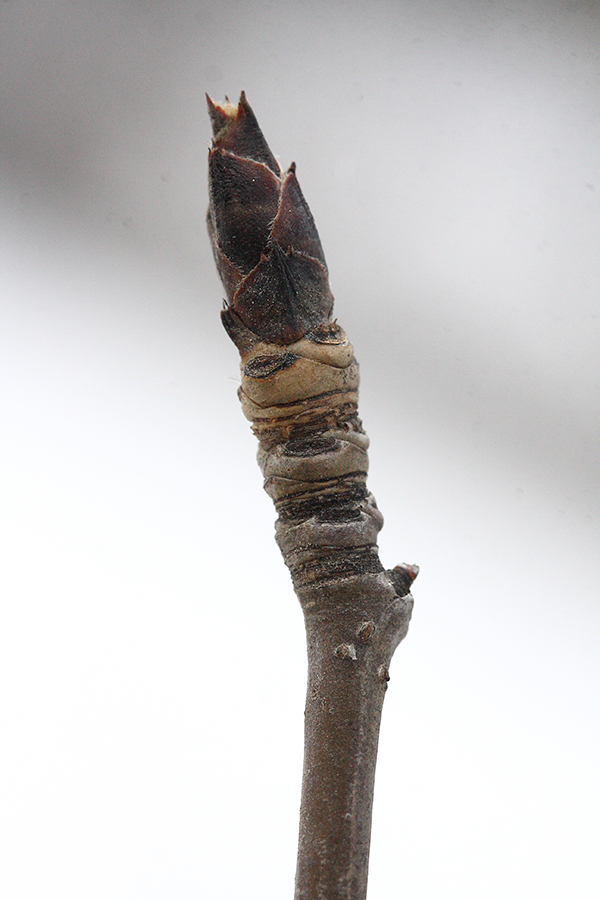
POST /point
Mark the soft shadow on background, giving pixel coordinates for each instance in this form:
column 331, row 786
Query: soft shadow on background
column 151, row 649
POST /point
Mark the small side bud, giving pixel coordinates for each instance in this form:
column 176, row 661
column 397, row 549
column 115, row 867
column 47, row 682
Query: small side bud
column 345, row 651
column 365, row 631
column 402, row 578
column 383, row 674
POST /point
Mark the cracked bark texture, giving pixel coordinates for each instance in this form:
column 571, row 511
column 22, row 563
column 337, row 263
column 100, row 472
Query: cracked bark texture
column 299, row 389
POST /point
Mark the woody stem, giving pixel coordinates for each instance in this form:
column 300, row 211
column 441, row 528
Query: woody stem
column 348, row 657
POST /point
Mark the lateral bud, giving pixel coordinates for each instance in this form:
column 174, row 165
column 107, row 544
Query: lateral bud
column 345, row 651
column 402, row 577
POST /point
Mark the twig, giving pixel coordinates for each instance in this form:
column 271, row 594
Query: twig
column 300, row 391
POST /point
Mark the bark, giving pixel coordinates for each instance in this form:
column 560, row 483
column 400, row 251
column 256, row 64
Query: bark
column 299, row 389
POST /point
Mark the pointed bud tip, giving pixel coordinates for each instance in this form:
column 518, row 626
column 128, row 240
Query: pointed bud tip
column 224, row 115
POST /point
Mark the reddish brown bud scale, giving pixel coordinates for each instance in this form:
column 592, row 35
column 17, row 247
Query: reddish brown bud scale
column 294, row 226
column 244, row 200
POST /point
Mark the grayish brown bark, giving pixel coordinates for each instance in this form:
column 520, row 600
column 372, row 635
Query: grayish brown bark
column 300, row 391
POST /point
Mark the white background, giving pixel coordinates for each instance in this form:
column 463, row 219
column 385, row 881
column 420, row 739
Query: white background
column 151, row 648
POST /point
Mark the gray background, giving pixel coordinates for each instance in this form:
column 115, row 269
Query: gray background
column 151, row 649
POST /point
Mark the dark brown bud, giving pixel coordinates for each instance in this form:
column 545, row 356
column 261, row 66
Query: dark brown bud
column 264, row 238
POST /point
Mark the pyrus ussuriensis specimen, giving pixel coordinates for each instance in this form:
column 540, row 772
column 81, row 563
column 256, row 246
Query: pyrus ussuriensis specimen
column 299, row 389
